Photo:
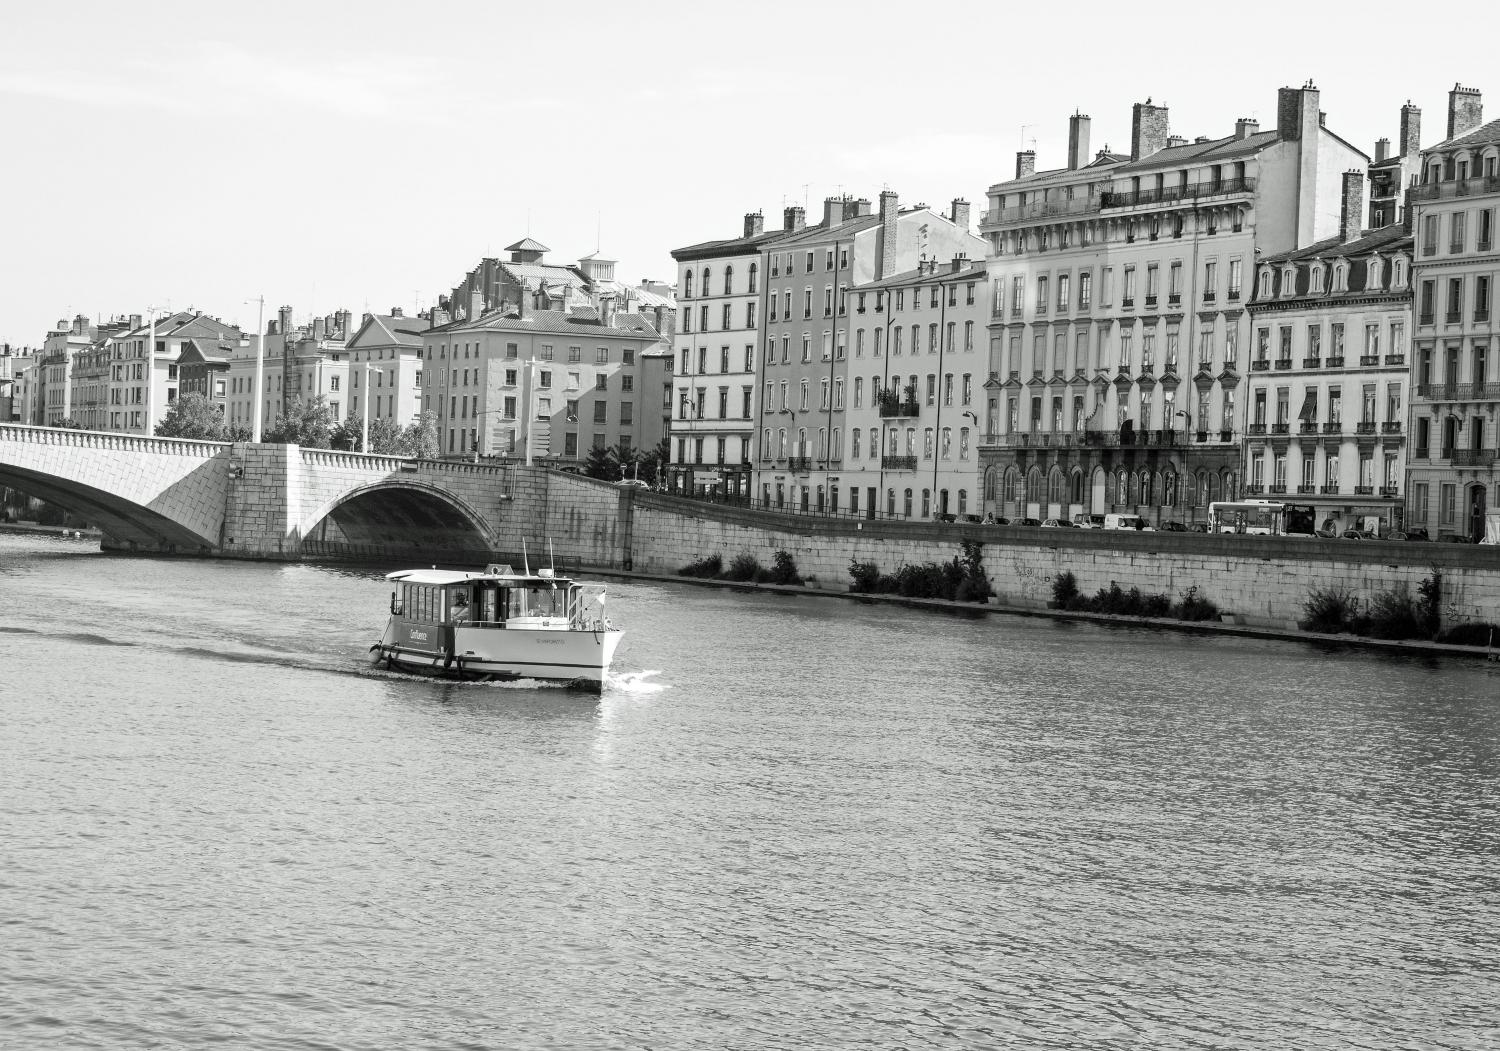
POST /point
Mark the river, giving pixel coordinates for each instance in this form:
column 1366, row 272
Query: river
column 787, row 823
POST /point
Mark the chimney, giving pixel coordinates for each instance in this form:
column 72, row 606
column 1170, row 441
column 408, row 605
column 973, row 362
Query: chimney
column 396, row 312
column 1149, row 128
column 755, row 224
column 1382, row 150
column 135, row 321
column 284, row 315
column 607, row 310
column 320, row 329
column 833, row 212
column 341, row 323
column 1176, row 140
column 273, row 327
column 861, row 208
column 1246, row 127
column 1352, row 205
column 890, row 212
column 1078, row 139
column 958, row 262
column 1201, row 139
column 476, row 305
column 1296, row 111
column 1411, row 130
column 960, row 214
column 1025, row 163
column 80, row 324
column 793, row 219
column 1465, row 110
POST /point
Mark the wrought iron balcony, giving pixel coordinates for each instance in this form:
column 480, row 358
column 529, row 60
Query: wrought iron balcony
column 890, row 408
column 1278, row 488
column 1281, row 428
column 1389, row 490
column 1260, row 365
column 1306, row 489
column 1391, row 427
column 1327, row 490
column 1308, row 428
column 799, row 464
column 1283, row 363
column 1395, row 359
column 1333, row 427
column 1311, row 363
column 1336, row 362
column 898, row 463
column 1369, row 359
column 1254, row 490
column 1436, row 191
column 1474, row 457
column 1255, row 429
column 1167, row 194
column 1364, row 490
column 1365, row 427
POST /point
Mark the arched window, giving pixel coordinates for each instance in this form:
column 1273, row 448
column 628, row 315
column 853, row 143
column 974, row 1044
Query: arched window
column 1148, row 488
column 1169, row 489
column 963, row 501
column 1034, row 486
column 781, row 443
column 989, row 483
column 1055, row 486
column 1122, row 488
column 706, row 275
column 1075, row 487
column 890, row 502
column 765, row 446
column 926, row 503
column 906, row 508
column 728, row 280
column 754, row 273
column 687, row 284
column 1009, row 492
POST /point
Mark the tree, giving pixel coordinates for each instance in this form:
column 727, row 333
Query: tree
column 308, row 424
column 193, row 416
column 601, row 463
column 388, row 437
column 347, row 435
column 625, row 456
column 422, row 436
column 654, row 463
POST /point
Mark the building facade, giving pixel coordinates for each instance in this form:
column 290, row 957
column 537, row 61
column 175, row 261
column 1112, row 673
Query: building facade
column 385, row 367
column 1327, row 387
column 1118, row 287
column 804, row 372
column 1456, row 386
column 538, row 383
column 917, row 365
column 713, row 387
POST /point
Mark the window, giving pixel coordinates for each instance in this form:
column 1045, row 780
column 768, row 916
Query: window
column 601, row 381
column 1063, row 288
column 627, row 383
column 726, row 321
column 1085, row 289
column 1041, row 295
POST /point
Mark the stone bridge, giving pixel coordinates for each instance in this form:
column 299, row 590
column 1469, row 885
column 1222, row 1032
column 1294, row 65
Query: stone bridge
column 251, row 500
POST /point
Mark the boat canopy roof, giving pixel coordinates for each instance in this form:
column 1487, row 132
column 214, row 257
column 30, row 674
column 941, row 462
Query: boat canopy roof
column 496, row 573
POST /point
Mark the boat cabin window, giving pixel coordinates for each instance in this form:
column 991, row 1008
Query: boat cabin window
column 422, row 602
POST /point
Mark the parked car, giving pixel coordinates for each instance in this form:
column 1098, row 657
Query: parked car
column 1358, row 534
column 1087, row 521
column 1173, row 527
column 1455, row 538
column 1416, row 533
column 633, row 483
column 1127, row 522
column 1198, row 527
column 1027, row 522
column 1057, row 523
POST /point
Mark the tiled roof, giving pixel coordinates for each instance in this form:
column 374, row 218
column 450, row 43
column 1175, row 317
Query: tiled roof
column 526, row 244
column 1227, row 148
column 1483, row 135
column 386, row 330
column 1393, row 238
column 848, row 226
column 557, row 321
column 727, row 246
column 975, row 268
column 535, row 274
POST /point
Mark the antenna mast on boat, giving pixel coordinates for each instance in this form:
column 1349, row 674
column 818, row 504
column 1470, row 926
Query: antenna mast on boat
column 525, row 562
column 551, row 559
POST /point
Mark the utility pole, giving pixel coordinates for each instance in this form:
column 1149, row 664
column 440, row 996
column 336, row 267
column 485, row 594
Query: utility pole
column 260, row 356
column 364, row 436
column 150, row 366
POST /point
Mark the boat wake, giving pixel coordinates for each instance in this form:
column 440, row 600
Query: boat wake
column 634, row 682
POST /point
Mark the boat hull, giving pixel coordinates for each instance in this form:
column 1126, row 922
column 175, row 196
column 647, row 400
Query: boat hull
column 562, row 655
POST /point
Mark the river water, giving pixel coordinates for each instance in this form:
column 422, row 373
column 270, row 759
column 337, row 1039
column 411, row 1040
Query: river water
column 787, row 823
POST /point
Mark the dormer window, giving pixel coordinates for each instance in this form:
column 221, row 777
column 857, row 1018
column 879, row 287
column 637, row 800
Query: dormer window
column 1341, row 278
column 1288, row 282
column 1315, row 284
column 1373, row 273
column 1398, row 273
column 1265, row 284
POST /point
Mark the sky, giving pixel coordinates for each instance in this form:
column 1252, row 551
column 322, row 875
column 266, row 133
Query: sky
column 365, row 156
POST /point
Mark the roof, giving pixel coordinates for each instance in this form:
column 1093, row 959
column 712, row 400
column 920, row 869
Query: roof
column 1393, row 238
column 631, row 326
column 203, row 350
column 847, row 226
column 448, row 577
column 727, row 246
column 526, row 244
column 387, row 330
column 534, row 274
column 973, row 268
column 1483, row 135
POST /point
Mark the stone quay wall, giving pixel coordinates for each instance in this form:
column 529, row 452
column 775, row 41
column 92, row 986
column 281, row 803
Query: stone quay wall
column 1262, row 580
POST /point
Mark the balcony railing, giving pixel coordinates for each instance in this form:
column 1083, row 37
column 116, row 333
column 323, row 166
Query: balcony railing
column 1283, row 363
column 1369, row 359
column 1168, row 194
column 1459, row 391
column 1436, row 191
column 1336, row 361
column 1308, row 428
column 1328, row 489
column 1333, row 427
column 1278, row 488
column 1481, row 314
column 1395, row 359
column 1306, row 489
column 893, row 409
column 1040, row 210
column 1151, row 301
column 1425, row 318
column 1311, row 363
column 1365, row 427
column 799, row 464
column 1391, row 427
column 1254, row 489
column 1255, row 429
column 1281, row 428
column 1364, row 490
column 1260, row 365
column 898, row 463
column 1389, row 490
column 1474, row 457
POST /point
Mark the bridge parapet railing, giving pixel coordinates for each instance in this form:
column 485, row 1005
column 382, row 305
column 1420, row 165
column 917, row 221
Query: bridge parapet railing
column 362, row 461
column 78, row 439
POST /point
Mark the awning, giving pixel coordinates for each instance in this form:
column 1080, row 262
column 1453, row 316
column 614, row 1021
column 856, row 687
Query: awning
column 1309, row 413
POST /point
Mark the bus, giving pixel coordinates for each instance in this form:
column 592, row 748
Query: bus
column 1261, row 518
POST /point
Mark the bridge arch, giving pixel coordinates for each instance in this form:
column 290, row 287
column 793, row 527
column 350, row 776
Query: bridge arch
column 398, row 513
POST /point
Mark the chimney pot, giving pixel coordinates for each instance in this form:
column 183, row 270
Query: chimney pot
column 1078, row 140
column 755, row 224
column 1382, row 149
column 960, row 214
column 1149, row 129
column 1025, row 163
column 794, row 219
column 1465, row 110
column 1246, row 127
column 1352, row 205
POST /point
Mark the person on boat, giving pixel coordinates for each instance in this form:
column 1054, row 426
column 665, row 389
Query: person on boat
column 460, row 613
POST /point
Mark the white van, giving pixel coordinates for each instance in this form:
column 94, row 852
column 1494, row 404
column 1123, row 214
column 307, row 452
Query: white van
column 1088, row 521
column 1126, row 522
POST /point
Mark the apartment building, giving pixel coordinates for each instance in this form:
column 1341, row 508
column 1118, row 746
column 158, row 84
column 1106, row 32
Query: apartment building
column 1117, row 297
column 804, row 367
column 13, row 362
column 916, row 371
column 385, row 367
column 1455, row 400
column 720, row 287
column 299, row 363
column 143, row 362
column 537, row 383
column 1327, row 383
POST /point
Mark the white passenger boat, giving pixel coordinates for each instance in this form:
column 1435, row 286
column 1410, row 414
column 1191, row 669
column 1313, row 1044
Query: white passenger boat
column 498, row 624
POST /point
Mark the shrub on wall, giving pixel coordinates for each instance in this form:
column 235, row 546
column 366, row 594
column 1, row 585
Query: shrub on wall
column 711, row 566
column 1328, row 610
column 864, row 576
column 744, row 567
column 783, row 569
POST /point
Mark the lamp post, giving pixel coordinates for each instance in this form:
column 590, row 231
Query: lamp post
column 260, row 353
column 1187, row 454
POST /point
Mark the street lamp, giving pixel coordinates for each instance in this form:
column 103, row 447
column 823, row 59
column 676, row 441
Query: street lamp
column 1187, row 455
column 260, row 353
